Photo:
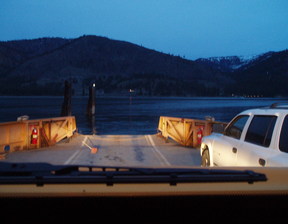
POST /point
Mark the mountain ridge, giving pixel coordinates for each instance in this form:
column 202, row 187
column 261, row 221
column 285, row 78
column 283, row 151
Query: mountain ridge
column 232, row 63
column 40, row 67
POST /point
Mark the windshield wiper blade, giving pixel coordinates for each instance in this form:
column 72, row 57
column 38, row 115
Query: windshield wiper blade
column 42, row 173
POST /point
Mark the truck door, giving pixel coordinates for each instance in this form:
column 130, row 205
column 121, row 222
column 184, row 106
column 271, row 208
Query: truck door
column 280, row 157
column 255, row 149
column 226, row 146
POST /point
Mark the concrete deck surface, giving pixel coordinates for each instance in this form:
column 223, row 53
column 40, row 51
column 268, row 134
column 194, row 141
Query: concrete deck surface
column 112, row 150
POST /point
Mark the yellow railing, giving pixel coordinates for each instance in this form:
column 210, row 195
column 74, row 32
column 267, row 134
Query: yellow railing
column 18, row 135
column 187, row 132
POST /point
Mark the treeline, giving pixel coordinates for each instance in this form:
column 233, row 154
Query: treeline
column 150, row 84
column 266, row 85
column 20, row 87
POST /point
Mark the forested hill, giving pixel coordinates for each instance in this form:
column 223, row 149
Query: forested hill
column 40, row 67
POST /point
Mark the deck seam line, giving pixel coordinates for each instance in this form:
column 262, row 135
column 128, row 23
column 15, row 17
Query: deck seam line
column 156, row 151
column 75, row 154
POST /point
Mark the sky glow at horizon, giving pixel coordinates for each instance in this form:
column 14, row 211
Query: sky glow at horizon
column 188, row 28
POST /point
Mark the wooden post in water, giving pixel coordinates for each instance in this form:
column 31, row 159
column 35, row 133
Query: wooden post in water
column 91, row 101
column 91, row 108
column 66, row 105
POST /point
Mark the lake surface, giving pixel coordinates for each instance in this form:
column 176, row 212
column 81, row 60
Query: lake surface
column 129, row 115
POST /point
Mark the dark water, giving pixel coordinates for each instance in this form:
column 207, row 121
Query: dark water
column 125, row 115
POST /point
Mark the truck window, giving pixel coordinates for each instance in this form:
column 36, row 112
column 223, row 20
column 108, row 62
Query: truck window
column 260, row 130
column 283, row 142
column 235, row 129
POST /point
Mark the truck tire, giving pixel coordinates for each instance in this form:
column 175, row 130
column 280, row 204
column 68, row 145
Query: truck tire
column 205, row 162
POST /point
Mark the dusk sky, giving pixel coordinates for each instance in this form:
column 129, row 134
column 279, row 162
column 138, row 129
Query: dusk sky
column 188, row 28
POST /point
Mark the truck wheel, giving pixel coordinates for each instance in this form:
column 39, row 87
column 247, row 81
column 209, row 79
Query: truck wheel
column 205, row 158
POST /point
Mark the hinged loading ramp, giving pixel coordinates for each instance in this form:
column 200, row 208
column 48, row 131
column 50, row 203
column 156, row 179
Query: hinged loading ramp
column 29, row 134
column 186, row 131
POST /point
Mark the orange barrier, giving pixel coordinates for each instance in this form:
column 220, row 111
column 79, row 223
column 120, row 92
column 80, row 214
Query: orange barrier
column 187, row 132
column 29, row 134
